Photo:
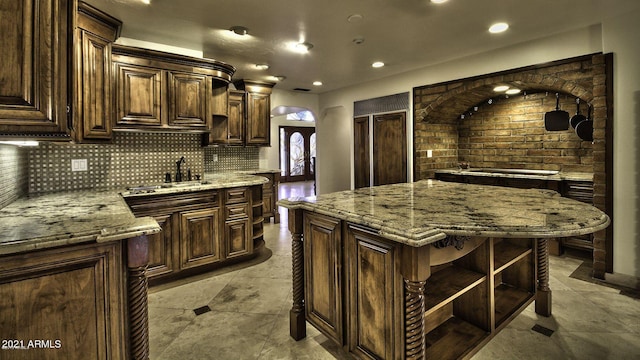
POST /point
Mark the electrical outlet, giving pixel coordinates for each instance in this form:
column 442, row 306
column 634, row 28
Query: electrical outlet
column 429, row 153
column 78, row 164
column 215, row 157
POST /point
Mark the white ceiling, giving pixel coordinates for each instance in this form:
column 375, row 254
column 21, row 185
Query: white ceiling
column 404, row 34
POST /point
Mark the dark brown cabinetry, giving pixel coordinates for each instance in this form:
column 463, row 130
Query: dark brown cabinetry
column 200, row 229
column 166, row 92
column 34, row 89
column 355, row 292
column 93, row 111
column 270, row 196
column 72, row 295
column 581, row 191
column 324, row 293
column 248, row 118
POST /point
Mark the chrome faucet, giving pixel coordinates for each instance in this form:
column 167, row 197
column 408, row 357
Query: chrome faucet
column 178, row 171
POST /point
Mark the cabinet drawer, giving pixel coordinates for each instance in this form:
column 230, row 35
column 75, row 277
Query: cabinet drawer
column 152, row 204
column 236, row 195
column 237, row 211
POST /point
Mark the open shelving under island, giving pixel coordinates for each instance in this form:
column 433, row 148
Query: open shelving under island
column 428, row 269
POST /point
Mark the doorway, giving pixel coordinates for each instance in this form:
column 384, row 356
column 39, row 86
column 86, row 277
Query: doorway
column 297, row 153
column 384, row 140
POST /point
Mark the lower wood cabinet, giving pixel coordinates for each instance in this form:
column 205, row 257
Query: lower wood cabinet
column 70, row 297
column 200, row 229
column 323, row 264
column 356, row 295
column 200, row 240
column 270, row 196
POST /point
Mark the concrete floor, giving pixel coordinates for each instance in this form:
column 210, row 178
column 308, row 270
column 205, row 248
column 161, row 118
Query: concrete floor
column 249, row 314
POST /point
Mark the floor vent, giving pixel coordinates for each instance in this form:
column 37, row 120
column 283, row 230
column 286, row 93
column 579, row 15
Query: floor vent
column 542, row 330
column 201, row 310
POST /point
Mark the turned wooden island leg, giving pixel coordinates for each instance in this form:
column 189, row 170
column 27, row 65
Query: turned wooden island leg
column 137, row 261
column 297, row 322
column 543, row 293
column 415, row 268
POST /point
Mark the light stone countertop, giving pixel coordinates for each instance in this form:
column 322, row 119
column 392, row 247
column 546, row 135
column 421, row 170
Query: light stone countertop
column 210, row 181
column 574, row 176
column 56, row 219
column 426, row 211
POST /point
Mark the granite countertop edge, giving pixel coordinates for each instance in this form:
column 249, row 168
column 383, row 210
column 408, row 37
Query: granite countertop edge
column 573, row 176
column 51, row 220
column 383, row 221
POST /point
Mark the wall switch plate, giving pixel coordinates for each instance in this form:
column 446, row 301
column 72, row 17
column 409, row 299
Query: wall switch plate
column 78, row 164
column 215, row 157
column 429, row 153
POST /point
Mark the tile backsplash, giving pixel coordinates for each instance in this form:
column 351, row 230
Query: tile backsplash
column 220, row 159
column 13, row 173
column 132, row 159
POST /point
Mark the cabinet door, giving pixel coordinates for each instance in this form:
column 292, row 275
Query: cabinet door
column 199, row 237
column 187, row 100
column 238, row 238
column 139, row 95
column 73, row 295
column 258, row 119
column 33, row 74
column 375, row 315
column 93, row 112
column 323, row 275
column 160, row 248
column 236, row 119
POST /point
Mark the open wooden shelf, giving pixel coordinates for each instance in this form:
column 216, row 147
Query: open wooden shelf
column 449, row 283
column 453, row 338
column 506, row 254
column 508, row 299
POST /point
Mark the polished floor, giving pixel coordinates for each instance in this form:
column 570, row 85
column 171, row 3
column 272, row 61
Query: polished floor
column 244, row 314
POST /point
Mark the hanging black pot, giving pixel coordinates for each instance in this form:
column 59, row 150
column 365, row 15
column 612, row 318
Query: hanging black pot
column 577, row 118
column 556, row 120
column 584, row 129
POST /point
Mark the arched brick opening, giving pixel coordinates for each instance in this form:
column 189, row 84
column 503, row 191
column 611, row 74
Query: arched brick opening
column 520, row 141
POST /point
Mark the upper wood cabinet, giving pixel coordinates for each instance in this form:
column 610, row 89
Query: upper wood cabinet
column 248, row 117
column 258, row 107
column 162, row 91
column 93, row 105
column 34, row 83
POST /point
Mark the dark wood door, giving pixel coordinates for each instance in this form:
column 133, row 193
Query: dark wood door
column 298, row 153
column 361, row 161
column 390, row 148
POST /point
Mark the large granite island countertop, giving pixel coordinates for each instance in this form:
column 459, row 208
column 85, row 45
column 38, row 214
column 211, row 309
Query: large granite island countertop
column 426, row 211
column 63, row 218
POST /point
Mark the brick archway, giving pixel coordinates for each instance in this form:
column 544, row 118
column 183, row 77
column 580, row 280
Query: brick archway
column 437, row 112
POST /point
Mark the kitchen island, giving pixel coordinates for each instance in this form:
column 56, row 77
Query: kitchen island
column 74, row 265
column 428, row 269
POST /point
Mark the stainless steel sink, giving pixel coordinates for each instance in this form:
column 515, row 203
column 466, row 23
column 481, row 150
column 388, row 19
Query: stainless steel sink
column 517, row 171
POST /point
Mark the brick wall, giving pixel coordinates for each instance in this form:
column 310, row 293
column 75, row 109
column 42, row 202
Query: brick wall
column 510, row 133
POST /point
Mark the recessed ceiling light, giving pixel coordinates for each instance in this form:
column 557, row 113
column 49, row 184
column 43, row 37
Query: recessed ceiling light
column 301, row 47
column 354, row 18
column 279, row 77
column 439, row 1
column 239, row 30
column 498, row 27
column 501, row 88
column 512, row 91
column 262, row 66
column 377, row 64
column 317, row 83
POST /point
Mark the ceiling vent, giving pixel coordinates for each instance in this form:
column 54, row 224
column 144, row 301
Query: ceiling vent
column 301, row 89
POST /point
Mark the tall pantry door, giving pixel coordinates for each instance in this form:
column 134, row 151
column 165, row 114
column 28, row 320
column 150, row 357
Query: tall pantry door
column 361, row 162
column 389, row 148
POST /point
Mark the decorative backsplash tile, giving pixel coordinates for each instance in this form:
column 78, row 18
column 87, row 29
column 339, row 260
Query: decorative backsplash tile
column 132, row 159
column 231, row 158
column 13, row 174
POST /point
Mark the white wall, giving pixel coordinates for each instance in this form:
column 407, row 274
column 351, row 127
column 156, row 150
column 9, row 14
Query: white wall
column 270, row 156
column 620, row 36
